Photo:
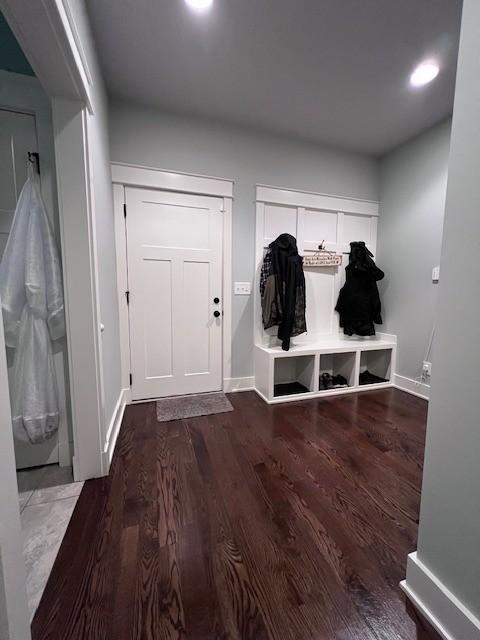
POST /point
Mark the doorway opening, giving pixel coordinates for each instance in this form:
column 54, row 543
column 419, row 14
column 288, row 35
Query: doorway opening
column 46, row 489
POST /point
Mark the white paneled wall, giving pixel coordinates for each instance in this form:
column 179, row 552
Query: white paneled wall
column 312, row 219
column 277, row 220
column 359, row 228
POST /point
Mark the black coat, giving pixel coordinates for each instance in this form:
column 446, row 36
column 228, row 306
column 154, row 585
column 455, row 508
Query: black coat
column 287, row 266
column 359, row 301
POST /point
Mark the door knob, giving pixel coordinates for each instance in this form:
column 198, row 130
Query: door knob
column 216, row 300
column 216, row 314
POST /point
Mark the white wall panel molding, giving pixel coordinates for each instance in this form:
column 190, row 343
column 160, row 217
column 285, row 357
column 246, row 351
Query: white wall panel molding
column 311, row 200
column 312, row 218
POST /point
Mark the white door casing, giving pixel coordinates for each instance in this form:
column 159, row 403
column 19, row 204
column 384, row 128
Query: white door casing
column 174, row 256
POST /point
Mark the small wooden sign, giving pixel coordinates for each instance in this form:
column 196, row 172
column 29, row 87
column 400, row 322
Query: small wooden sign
column 322, row 259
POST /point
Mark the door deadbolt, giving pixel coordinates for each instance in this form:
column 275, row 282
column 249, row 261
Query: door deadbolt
column 216, row 300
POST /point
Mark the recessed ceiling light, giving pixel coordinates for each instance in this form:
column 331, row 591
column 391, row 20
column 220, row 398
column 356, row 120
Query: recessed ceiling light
column 424, row 73
column 199, row 5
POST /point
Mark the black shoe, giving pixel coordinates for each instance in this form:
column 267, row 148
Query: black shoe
column 370, row 378
column 339, row 382
column 325, row 381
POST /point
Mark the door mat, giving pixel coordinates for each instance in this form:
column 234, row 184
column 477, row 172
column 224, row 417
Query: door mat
column 201, row 404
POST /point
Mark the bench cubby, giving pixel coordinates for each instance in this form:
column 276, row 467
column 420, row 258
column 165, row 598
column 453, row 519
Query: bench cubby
column 293, row 376
column 333, row 365
column 377, row 364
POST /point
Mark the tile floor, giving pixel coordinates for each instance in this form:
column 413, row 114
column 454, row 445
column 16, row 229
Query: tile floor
column 47, row 497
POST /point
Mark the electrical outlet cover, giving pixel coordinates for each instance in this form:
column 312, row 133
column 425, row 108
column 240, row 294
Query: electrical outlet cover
column 242, row 288
column 427, row 368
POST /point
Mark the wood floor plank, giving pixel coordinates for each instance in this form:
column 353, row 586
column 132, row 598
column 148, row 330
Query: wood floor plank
column 283, row 522
column 123, row 603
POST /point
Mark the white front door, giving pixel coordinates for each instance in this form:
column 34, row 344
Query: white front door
column 174, row 246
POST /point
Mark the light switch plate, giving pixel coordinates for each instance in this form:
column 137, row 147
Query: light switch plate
column 242, row 288
column 436, row 274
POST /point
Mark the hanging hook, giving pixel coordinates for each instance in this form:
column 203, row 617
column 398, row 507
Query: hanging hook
column 34, row 158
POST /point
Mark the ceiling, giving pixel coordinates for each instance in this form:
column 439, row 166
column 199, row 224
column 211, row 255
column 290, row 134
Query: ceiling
column 331, row 71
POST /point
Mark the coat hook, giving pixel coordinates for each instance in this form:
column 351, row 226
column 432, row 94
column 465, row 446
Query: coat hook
column 34, row 158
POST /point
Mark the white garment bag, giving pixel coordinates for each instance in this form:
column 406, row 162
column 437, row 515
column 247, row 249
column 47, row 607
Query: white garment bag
column 31, row 296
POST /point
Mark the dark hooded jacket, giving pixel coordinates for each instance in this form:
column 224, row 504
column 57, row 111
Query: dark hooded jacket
column 282, row 287
column 359, row 301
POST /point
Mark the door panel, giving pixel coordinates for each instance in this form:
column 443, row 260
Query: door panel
column 174, row 273
column 157, row 276
column 196, row 295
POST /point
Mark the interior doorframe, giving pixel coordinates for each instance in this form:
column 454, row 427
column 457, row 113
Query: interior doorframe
column 130, row 175
column 48, row 34
column 28, row 98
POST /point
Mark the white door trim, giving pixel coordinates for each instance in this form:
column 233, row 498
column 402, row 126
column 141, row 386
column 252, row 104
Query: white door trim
column 132, row 175
column 145, row 177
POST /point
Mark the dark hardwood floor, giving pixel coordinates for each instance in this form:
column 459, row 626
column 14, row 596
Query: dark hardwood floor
column 284, row 522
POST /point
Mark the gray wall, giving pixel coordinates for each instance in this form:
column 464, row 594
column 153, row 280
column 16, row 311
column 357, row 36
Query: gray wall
column 449, row 534
column 153, row 138
column 104, row 223
column 413, row 182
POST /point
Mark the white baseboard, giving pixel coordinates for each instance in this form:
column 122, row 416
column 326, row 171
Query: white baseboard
column 114, row 428
column 443, row 610
column 238, row 384
column 419, row 389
